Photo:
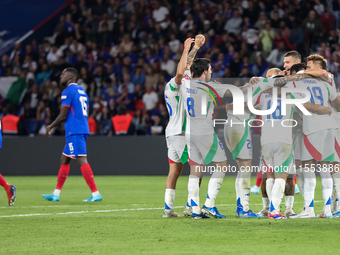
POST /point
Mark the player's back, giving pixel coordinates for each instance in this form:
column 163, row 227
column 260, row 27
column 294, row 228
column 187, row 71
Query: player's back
column 175, row 104
column 277, row 128
column 199, row 100
column 75, row 97
column 321, row 94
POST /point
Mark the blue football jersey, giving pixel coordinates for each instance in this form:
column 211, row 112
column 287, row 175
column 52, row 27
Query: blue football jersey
column 75, row 97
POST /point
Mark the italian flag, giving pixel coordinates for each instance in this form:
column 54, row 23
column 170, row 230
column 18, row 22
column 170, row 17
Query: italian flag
column 12, row 88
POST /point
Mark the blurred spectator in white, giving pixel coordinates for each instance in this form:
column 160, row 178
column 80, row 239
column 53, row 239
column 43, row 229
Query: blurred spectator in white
column 126, row 82
column 275, row 58
column 168, row 65
column 105, row 19
column 52, row 56
column 250, row 34
column 150, row 98
column 30, row 64
column 319, row 7
column 126, row 44
column 161, row 14
column 76, row 47
column 157, row 128
column 233, row 25
column 174, row 43
column 187, row 24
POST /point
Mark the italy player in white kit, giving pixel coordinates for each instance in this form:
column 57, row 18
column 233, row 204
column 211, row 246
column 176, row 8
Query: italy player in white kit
column 203, row 144
column 318, row 141
column 277, row 150
column 174, row 132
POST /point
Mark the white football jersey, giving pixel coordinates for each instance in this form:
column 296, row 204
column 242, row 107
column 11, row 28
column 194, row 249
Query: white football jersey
column 321, row 93
column 199, row 100
column 277, row 128
column 174, row 102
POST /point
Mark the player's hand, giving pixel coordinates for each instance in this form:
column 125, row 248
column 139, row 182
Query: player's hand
column 332, row 75
column 48, row 130
column 284, row 73
column 328, row 111
column 199, row 40
column 229, row 107
column 254, row 80
column 187, row 44
column 216, row 81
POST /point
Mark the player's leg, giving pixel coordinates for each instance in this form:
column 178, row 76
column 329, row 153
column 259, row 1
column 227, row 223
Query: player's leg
column 80, row 153
column 327, row 189
column 88, row 176
column 289, row 196
column 214, row 186
column 336, row 189
column 216, row 155
column 245, row 169
column 62, row 175
column 336, row 176
column 10, row 190
column 175, row 170
column 327, row 149
column 196, row 172
column 177, row 156
column 277, row 195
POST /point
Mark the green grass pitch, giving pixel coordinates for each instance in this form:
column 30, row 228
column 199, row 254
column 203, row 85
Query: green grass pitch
column 128, row 221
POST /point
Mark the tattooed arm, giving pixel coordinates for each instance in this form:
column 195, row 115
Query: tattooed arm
column 199, row 41
column 280, row 82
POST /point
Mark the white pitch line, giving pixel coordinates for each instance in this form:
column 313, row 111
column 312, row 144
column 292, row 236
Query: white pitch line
column 52, row 206
column 105, row 211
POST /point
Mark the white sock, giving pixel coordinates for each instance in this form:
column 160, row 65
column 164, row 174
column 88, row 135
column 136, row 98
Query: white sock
column 336, row 186
column 193, row 193
column 289, row 202
column 237, row 188
column 96, row 193
column 269, row 187
column 214, row 186
column 169, row 198
column 299, row 173
column 327, row 188
column 56, row 192
column 309, row 189
column 245, row 190
column 265, row 202
column 277, row 195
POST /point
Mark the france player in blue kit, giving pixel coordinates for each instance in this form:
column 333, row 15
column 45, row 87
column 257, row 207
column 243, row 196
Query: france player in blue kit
column 74, row 110
column 10, row 189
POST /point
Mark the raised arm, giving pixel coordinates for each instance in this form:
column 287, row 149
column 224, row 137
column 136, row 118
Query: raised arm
column 183, row 61
column 319, row 73
column 280, row 82
column 199, row 41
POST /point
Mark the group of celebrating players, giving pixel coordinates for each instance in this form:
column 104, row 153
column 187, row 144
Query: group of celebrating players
column 298, row 136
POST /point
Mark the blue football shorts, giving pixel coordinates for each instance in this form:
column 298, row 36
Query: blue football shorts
column 75, row 146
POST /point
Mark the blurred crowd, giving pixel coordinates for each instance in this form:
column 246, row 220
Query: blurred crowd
column 126, row 51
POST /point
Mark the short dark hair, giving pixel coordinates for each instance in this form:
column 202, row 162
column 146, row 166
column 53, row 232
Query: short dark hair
column 297, row 67
column 199, row 66
column 72, row 70
column 293, row 54
column 121, row 110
